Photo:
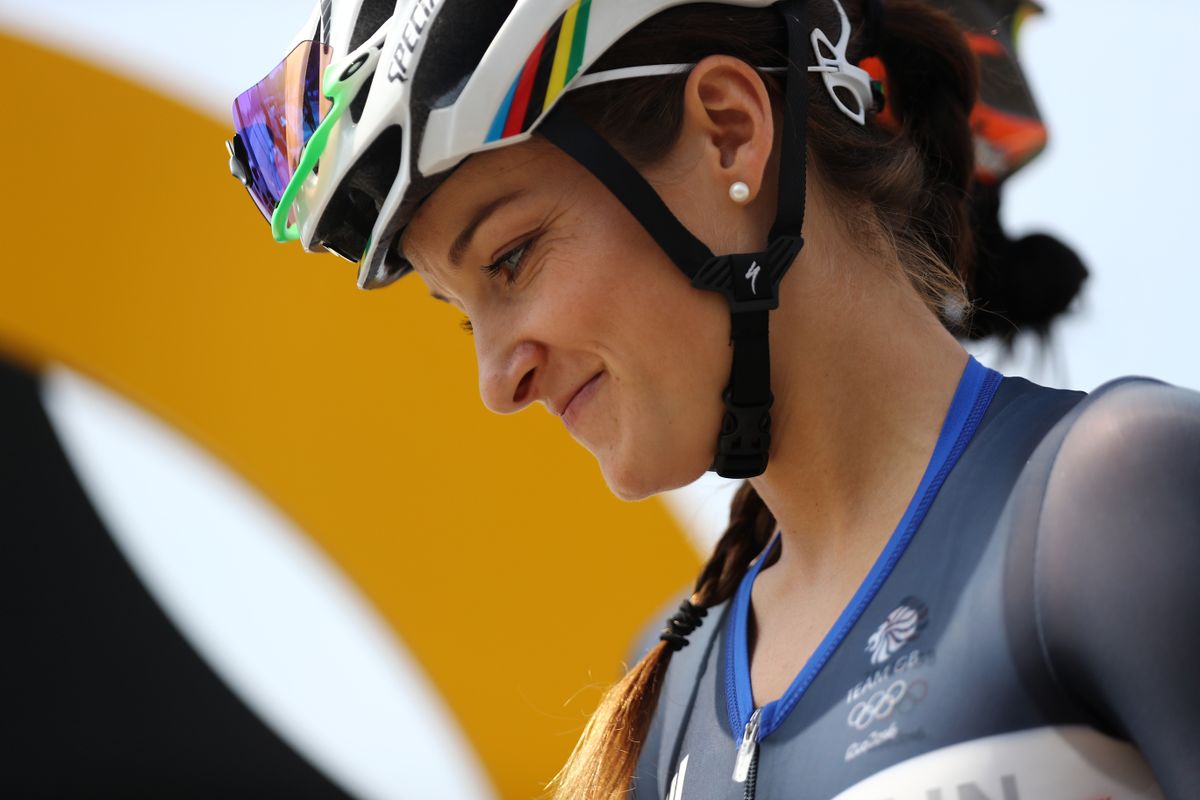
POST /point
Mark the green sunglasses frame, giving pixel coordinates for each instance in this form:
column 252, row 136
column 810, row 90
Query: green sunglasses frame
column 340, row 84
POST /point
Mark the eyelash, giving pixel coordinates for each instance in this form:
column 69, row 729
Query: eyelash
column 496, row 267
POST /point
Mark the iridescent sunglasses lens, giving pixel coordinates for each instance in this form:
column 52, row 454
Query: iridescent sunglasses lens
column 274, row 119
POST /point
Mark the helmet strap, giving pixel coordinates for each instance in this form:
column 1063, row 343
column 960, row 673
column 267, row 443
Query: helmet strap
column 748, row 281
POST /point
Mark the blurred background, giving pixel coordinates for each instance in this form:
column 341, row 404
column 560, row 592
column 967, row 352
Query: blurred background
column 263, row 540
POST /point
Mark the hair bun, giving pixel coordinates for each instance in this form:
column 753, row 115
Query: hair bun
column 1018, row 285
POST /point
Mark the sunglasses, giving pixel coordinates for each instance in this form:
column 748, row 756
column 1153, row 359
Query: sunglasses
column 281, row 126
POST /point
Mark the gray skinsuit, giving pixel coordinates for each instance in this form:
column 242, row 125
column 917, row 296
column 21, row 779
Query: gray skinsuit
column 1030, row 631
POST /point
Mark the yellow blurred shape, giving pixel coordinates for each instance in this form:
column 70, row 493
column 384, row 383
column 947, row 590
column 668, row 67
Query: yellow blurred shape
column 491, row 545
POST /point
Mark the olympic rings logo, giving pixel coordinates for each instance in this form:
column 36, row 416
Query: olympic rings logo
column 900, row 696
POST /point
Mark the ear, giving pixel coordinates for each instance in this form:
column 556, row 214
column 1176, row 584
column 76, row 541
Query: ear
column 727, row 113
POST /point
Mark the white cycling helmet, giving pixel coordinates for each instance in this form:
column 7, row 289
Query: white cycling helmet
column 379, row 101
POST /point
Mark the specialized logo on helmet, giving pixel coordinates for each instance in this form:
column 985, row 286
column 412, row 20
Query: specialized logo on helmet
column 410, row 37
column 900, row 627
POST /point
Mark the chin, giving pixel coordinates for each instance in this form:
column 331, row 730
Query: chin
column 631, row 478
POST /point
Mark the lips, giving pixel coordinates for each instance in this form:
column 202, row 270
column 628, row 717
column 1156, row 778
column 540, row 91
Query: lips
column 578, row 398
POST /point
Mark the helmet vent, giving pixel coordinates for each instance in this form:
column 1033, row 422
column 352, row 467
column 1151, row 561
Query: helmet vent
column 360, row 100
column 371, row 15
column 352, row 211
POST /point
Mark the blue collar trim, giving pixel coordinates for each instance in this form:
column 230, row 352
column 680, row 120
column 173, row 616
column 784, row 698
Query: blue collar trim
column 971, row 399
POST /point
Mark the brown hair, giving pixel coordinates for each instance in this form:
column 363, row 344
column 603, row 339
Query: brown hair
column 908, row 183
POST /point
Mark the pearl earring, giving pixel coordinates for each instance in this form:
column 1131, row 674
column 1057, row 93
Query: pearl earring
column 739, row 192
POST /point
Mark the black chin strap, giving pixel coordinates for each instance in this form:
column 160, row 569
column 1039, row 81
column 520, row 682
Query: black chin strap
column 748, row 281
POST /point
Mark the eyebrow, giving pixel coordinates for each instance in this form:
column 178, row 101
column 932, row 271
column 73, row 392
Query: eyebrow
column 463, row 242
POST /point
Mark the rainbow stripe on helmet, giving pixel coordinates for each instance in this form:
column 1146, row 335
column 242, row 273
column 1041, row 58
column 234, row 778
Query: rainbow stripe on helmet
column 547, row 71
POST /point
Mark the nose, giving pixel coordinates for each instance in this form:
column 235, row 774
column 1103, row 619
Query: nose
column 508, row 373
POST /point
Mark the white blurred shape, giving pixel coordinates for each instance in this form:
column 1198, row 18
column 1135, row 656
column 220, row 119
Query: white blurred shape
column 702, row 508
column 267, row 610
column 201, row 53
column 1118, row 184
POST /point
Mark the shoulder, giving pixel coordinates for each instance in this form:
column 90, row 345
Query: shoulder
column 1118, row 490
column 1110, row 448
column 1137, row 413
column 1132, row 451
column 1117, row 535
column 1118, row 544
column 1121, row 472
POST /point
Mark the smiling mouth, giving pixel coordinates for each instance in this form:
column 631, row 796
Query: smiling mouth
column 579, row 398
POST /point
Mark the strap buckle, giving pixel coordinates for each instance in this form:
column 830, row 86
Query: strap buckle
column 745, row 438
column 750, row 281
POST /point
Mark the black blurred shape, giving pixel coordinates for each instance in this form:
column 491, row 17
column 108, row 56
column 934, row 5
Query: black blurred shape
column 102, row 697
column 1018, row 284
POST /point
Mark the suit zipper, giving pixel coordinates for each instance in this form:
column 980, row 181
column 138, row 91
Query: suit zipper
column 752, row 778
column 746, row 763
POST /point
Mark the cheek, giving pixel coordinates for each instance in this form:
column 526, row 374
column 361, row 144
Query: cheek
column 645, row 301
column 608, row 296
column 637, row 310
column 666, row 344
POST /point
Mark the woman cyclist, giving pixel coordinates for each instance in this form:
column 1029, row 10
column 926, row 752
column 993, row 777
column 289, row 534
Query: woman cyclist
column 703, row 237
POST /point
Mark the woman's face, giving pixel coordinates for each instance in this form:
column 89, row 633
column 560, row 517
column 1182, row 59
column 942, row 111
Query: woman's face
column 574, row 306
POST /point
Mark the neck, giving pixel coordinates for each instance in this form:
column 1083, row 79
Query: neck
column 864, row 375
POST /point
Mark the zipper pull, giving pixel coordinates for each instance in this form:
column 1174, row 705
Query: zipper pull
column 747, row 749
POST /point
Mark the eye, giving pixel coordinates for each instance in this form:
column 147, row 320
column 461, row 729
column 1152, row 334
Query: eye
column 466, row 325
column 510, row 262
